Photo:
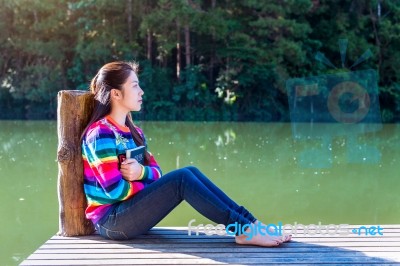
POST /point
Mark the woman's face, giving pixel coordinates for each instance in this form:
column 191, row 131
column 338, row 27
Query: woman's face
column 132, row 93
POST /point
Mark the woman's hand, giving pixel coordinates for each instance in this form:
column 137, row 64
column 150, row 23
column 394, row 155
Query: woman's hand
column 131, row 170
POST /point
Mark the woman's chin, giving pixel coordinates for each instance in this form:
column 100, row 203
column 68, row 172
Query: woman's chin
column 136, row 109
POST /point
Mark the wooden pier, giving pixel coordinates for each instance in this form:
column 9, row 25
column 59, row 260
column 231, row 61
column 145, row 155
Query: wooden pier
column 173, row 246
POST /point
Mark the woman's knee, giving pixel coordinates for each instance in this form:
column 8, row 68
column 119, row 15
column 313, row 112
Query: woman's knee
column 186, row 171
column 192, row 168
column 187, row 174
column 181, row 175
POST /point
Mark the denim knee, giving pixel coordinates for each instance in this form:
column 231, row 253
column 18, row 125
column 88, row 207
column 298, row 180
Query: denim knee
column 192, row 168
column 185, row 172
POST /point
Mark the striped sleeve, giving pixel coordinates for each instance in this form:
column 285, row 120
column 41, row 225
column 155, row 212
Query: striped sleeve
column 152, row 170
column 103, row 181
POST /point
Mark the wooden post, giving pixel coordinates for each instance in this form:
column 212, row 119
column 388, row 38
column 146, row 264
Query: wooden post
column 73, row 114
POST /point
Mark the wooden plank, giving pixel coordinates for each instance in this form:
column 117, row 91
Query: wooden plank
column 188, row 241
column 249, row 251
column 389, row 232
column 160, row 255
column 202, row 261
column 213, row 244
column 173, row 246
column 394, row 238
column 184, row 230
column 165, row 230
column 220, row 242
column 320, row 249
column 194, row 224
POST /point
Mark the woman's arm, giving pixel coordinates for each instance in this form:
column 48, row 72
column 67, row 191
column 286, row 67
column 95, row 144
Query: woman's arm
column 103, row 180
column 151, row 171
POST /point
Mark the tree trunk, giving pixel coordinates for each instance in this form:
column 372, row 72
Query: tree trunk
column 377, row 40
column 73, row 114
column 213, row 55
column 187, row 44
column 129, row 10
column 178, row 50
column 149, row 45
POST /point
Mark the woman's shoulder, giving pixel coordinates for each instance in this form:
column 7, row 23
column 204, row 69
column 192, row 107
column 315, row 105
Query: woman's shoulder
column 98, row 129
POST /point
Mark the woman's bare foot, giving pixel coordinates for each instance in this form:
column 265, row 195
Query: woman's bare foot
column 284, row 238
column 261, row 239
column 258, row 240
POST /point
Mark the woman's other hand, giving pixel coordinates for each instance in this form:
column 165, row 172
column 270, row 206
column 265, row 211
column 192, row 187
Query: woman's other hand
column 131, row 170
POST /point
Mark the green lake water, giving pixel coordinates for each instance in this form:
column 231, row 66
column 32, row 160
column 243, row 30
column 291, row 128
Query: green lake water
column 328, row 173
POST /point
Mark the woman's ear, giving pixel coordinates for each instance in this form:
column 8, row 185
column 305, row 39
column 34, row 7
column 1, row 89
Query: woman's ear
column 116, row 94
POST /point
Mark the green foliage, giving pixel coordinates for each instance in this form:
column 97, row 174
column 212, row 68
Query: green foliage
column 241, row 52
column 192, row 97
column 155, row 82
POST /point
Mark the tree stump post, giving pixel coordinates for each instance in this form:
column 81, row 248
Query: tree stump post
column 73, row 114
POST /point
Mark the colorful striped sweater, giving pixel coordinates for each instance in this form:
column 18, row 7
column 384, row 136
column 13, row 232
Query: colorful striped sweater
column 103, row 182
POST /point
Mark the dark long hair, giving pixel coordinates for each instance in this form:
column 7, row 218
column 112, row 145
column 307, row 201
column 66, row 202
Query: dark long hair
column 112, row 76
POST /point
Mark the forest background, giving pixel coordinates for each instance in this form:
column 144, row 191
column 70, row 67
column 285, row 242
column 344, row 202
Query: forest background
column 200, row 60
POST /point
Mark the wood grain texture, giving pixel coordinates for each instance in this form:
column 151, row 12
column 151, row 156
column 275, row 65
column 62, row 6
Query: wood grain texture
column 73, row 114
column 173, row 246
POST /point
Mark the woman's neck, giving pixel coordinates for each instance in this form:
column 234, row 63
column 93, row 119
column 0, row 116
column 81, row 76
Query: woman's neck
column 119, row 117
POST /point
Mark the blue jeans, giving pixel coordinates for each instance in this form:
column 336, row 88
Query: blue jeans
column 149, row 206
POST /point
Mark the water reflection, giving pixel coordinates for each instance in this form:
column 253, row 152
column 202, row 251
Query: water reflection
column 228, row 137
column 260, row 165
column 359, row 140
column 28, row 172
